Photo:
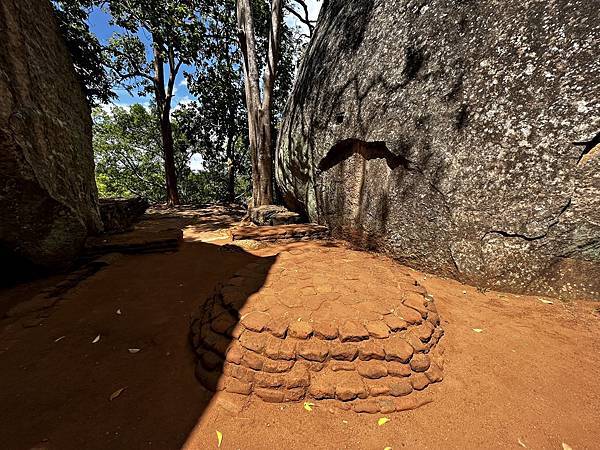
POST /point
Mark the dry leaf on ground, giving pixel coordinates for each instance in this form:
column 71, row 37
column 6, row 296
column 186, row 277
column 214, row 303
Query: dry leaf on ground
column 308, row 406
column 116, row 393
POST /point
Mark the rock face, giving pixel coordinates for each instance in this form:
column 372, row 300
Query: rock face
column 48, row 195
column 442, row 132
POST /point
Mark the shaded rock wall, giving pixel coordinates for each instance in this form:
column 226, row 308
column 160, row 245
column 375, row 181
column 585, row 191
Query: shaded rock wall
column 48, row 195
column 441, row 132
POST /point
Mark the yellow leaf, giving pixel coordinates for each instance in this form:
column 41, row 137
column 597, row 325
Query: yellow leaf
column 477, row 330
column 388, row 448
column 116, row 393
column 308, row 406
column 566, row 446
column 382, row 421
column 219, row 438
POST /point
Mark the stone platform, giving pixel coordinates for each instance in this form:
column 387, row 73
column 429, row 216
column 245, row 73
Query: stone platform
column 136, row 241
column 279, row 232
column 324, row 327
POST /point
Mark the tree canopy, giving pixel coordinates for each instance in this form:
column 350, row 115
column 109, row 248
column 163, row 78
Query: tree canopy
column 147, row 151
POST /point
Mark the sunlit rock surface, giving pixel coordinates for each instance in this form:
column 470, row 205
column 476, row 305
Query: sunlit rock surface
column 48, row 195
column 442, row 133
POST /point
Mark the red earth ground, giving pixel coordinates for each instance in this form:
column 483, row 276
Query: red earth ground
column 527, row 379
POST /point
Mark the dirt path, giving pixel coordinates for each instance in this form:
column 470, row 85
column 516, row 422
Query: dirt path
column 529, row 379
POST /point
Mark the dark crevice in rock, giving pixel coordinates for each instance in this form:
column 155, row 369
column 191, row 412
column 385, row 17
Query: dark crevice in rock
column 588, row 146
column 455, row 264
column 509, row 234
column 456, row 89
column 415, row 57
column 368, row 150
column 462, row 117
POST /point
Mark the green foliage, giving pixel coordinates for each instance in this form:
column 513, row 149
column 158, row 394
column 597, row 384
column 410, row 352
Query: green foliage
column 216, row 123
column 175, row 32
column 129, row 161
column 85, row 49
column 199, row 36
column 128, row 153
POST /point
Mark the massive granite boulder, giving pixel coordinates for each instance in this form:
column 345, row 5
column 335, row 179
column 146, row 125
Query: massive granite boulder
column 443, row 131
column 48, row 196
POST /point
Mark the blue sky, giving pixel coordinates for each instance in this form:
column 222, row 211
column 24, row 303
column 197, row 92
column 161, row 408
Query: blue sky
column 99, row 24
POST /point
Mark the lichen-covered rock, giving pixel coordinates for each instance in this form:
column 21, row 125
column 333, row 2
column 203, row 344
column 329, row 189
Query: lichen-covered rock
column 48, row 195
column 273, row 215
column 443, row 132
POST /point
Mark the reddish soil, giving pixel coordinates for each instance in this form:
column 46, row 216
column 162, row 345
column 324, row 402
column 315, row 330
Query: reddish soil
column 529, row 379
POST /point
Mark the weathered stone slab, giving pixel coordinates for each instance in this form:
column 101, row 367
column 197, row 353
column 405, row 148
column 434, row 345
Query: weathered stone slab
column 280, row 232
column 273, row 215
column 120, row 214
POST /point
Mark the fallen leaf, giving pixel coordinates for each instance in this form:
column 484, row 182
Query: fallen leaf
column 345, row 421
column 119, row 311
column 477, row 330
column 388, row 448
column 382, row 421
column 59, row 339
column 219, row 438
column 133, row 350
column 521, row 443
column 546, row 302
column 566, row 446
column 96, row 339
column 117, row 393
column 308, row 406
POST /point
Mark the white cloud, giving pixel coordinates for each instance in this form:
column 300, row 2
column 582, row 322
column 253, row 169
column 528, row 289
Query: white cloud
column 182, row 102
column 108, row 107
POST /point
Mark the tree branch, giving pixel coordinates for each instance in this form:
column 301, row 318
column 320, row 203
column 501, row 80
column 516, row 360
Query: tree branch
column 304, row 19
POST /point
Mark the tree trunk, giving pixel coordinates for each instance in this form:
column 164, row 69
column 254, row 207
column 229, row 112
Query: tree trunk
column 163, row 102
column 264, row 152
column 230, row 170
column 259, row 112
column 166, row 132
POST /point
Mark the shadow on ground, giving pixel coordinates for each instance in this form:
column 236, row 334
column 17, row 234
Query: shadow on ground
column 57, row 384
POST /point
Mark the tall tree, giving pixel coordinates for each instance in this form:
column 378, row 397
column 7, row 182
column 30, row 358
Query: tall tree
column 260, row 94
column 219, row 122
column 259, row 101
column 175, row 35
